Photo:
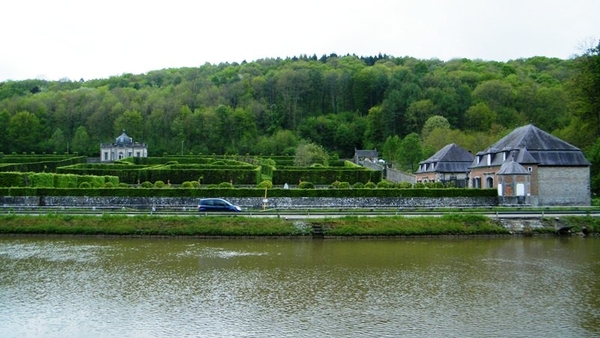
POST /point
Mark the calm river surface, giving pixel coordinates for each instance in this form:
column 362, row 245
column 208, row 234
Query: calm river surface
column 113, row 287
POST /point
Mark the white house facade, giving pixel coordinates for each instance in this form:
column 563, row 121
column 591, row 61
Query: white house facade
column 122, row 148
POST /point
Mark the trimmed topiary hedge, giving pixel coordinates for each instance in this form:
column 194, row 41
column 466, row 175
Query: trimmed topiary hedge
column 247, row 192
column 325, row 175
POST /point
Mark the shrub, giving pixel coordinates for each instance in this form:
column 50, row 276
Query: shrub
column 225, row 185
column 187, row 185
column 384, row 185
column 85, row 185
column 358, row 185
column 123, row 185
column 403, row 185
column 147, row 184
column 195, row 184
column 370, row 185
column 419, row 185
column 265, row 184
column 306, row 185
column 344, row 185
column 335, row 185
column 438, row 185
column 159, row 184
column 109, row 185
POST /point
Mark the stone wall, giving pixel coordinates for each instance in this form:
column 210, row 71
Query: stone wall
column 563, row 186
column 396, row 176
column 247, row 203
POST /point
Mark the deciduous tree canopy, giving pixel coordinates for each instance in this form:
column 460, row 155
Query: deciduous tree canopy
column 340, row 103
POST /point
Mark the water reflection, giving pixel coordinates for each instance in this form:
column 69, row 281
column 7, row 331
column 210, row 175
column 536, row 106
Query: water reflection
column 79, row 287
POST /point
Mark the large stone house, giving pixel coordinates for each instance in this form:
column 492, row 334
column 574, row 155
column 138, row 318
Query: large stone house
column 449, row 164
column 534, row 166
column 122, row 148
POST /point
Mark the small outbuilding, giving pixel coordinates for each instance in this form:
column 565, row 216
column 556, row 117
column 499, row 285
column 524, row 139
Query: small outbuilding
column 449, row 165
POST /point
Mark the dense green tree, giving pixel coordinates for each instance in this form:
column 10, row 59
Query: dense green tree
column 418, row 113
column 132, row 122
column 292, row 86
column 320, row 130
column 58, row 142
column 432, row 123
column 308, row 154
column 391, row 149
column 374, row 135
column 411, row 152
column 81, row 143
column 495, row 93
column 283, row 142
column 369, row 86
column 23, row 132
column 338, row 102
column 4, row 137
column 480, row 117
column 584, row 89
column 593, row 156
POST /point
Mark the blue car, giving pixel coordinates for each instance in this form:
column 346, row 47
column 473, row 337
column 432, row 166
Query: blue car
column 217, row 204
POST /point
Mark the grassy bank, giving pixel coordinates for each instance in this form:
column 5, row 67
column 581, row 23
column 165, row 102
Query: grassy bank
column 148, row 225
column 450, row 224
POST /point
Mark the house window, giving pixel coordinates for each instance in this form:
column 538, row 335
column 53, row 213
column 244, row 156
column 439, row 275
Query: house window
column 530, row 169
column 489, row 159
column 489, row 182
column 477, row 182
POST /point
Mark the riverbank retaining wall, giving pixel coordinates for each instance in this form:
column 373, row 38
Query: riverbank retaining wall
column 248, row 203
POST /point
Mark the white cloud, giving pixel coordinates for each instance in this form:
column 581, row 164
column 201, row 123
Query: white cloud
column 97, row 39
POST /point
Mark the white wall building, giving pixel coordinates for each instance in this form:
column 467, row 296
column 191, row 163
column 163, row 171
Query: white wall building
column 122, row 148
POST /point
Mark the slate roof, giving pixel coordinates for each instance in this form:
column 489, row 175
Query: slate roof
column 450, row 159
column 124, row 139
column 365, row 153
column 531, row 145
column 512, row 168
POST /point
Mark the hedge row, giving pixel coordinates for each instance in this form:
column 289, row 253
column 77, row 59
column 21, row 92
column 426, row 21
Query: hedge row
column 198, row 159
column 207, row 175
column 51, row 180
column 166, row 192
column 34, row 158
column 321, row 176
column 41, row 164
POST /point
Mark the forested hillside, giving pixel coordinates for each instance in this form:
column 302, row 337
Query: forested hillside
column 406, row 107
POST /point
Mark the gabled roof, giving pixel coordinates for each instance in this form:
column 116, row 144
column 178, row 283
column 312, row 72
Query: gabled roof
column 531, row 145
column 450, row 159
column 512, row 168
column 365, row 153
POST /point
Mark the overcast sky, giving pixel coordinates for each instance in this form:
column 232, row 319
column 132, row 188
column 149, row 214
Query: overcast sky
column 54, row 39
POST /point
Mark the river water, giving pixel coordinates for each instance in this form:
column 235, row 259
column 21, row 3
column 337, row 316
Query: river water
column 145, row 287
